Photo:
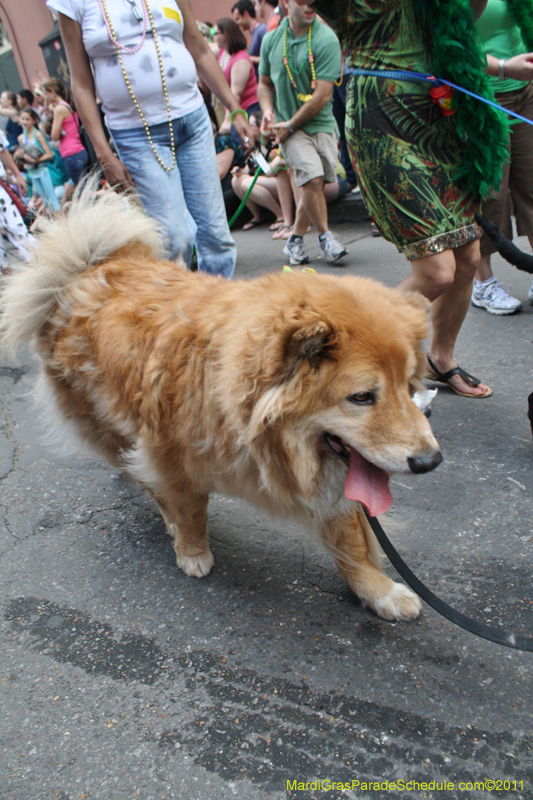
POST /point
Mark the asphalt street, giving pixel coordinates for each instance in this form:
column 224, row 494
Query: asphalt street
column 122, row 678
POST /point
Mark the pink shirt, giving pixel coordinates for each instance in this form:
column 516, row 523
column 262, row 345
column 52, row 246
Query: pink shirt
column 249, row 96
column 70, row 143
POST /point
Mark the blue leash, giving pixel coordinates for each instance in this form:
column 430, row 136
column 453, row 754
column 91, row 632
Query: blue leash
column 405, row 75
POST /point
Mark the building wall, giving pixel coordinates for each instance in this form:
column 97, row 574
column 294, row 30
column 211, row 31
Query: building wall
column 211, row 10
column 26, row 23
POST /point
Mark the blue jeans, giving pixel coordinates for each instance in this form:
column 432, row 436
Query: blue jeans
column 188, row 201
column 76, row 165
column 43, row 186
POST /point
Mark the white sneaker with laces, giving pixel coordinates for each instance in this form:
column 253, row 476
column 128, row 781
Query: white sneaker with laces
column 295, row 251
column 331, row 247
column 495, row 298
column 530, row 294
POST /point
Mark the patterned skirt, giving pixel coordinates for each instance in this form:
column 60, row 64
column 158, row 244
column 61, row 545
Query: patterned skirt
column 405, row 153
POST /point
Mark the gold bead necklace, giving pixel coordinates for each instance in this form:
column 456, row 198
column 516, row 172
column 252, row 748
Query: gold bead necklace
column 303, row 98
column 132, row 95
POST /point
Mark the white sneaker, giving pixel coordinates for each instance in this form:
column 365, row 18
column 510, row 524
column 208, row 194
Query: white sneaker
column 331, row 247
column 295, row 251
column 530, row 294
column 495, row 298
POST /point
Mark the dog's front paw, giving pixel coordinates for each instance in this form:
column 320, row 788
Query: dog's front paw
column 196, row 566
column 400, row 603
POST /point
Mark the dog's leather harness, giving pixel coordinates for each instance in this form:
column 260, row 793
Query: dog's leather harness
column 514, row 640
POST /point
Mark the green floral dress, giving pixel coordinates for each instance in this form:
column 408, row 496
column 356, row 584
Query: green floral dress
column 404, row 150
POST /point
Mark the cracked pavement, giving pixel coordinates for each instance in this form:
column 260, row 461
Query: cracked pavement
column 122, row 678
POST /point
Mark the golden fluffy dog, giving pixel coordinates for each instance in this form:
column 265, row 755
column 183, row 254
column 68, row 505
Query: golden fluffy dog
column 290, row 390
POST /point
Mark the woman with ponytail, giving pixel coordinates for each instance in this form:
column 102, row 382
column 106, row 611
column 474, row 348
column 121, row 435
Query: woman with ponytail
column 66, row 128
column 422, row 173
column 506, row 30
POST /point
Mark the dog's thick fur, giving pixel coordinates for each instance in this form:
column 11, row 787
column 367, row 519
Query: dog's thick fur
column 193, row 384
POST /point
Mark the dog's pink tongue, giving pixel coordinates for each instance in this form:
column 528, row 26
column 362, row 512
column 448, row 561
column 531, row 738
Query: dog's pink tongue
column 367, row 484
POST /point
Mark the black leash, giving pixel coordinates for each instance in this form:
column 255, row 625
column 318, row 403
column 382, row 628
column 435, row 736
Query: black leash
column 517, row 641
column 505, row 247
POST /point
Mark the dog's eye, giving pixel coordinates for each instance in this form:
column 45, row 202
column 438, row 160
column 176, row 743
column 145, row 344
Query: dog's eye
column 363, row 398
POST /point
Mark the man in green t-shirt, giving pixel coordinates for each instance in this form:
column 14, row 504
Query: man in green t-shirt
column 300, row 60
column 511, row 69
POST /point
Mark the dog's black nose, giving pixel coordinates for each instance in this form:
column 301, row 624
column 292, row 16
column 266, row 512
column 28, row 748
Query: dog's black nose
column 425, row 463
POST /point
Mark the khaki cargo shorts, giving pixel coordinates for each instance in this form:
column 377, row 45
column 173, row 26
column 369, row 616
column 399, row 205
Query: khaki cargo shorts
column 311, row 156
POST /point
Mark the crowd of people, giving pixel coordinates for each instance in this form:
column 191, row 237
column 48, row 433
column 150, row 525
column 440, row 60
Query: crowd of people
column 188, row 124
column 41, row 137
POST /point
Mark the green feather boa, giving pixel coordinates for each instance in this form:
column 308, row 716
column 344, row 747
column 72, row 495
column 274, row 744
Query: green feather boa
column 522, row 11
column 457, row 56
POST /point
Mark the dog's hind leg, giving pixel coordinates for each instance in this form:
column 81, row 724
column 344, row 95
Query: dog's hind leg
column 352, row 544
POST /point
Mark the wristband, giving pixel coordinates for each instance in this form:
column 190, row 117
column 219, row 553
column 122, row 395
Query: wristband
column 290, row 128
column 501, row 76
column 238, row 111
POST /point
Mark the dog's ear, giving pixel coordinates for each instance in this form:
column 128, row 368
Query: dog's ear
column 311, row 342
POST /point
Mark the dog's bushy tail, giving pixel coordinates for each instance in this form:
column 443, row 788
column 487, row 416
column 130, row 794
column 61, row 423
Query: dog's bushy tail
column 96, row 225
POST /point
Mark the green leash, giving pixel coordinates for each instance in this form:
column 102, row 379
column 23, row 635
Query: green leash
column 245, row 198
column 258, row 157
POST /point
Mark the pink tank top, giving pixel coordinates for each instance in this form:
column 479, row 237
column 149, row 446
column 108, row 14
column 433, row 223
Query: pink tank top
column 70, row 143
column 249, row 96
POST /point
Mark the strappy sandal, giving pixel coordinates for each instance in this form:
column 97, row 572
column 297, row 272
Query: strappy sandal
column 277, row 225
column 444, row 377
column 254, row 223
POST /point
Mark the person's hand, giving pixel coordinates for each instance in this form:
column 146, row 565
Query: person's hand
column 520, row 67
column 20, row 180
column 267, row 122
column 244, row 132
column 116, row 174
column 282, row 132
column 225, row 127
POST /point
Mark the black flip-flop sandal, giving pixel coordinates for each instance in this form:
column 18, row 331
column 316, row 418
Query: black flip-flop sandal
column 252, row 224
column 444, row 377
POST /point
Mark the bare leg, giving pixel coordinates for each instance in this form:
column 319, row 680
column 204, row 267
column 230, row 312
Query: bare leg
column 302, row 221
column 296, row 190
column 265, row 194
column 240, row 184
column 285, row 195
column 261, row 194
column 313, row 203
column 224, row 162
column 331, row 191
column 446, row 279
column 350, row 540
column 484, row 271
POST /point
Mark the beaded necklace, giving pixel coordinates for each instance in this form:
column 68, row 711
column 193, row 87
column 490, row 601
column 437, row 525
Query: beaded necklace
column 120, row 50
column 111, row 32
column 303, row 98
